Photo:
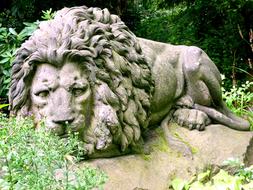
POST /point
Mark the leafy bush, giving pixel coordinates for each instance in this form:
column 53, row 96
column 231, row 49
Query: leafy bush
column 215, row 26
column 239, row 177
column 161, row 25
column 41, row 160
column 240, row 100
column 10, row 40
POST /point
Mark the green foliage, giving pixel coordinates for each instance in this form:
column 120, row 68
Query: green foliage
column 240, row 100
column 48, row 14
column 210, row 179
column 212, row 25
column 161, row 4
column 3, row 105
column 22, row 8
column 239, row 169
column 160, row 25
column 10, row 40
column 41, row 160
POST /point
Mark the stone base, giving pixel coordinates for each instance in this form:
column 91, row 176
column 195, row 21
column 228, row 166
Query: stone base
column 187, row 153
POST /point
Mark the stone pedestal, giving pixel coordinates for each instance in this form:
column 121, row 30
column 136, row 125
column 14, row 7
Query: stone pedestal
column 187, row 153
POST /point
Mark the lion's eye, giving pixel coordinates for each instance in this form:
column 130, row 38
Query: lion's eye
column 78, row 91
column 43, row 94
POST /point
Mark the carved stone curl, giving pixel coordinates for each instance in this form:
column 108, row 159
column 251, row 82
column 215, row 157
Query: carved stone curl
column 85, row 71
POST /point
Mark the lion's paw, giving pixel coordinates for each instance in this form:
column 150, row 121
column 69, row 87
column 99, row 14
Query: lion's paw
column 191, row 118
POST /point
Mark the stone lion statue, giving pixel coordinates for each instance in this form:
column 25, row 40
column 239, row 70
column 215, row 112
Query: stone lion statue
column 86, row 72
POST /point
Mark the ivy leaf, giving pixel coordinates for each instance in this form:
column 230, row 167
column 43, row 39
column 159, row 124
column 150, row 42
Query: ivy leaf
column 178, row 184
column 197, row 185
column 222, row 176
column 203, row 176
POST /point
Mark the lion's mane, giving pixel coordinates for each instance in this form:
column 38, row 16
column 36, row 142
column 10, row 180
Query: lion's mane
column 108, row 50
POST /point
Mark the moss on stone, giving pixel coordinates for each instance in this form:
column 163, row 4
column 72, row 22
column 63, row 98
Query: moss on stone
column 194, row 150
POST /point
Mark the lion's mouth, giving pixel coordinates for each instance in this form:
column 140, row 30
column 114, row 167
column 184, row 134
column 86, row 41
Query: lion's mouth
column 63, row 130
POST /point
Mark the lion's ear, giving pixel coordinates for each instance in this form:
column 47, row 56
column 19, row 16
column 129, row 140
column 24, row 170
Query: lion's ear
column 19, row 90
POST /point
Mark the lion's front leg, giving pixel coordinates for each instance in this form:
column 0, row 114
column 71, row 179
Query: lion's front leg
column 191, row 118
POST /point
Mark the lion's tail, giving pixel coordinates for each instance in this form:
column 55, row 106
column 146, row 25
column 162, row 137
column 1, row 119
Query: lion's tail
column 225, row 116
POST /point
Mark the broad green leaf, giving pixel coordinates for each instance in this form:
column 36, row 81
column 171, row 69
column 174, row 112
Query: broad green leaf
column 224, row 179
column 5, row 60
column 237, row 184
column 12, row 31
column 3, row 105
column 4, row 185
column 222, row 176
column 220, row 185
column 7, row 81
column 203, row 176
column 248, row 186
column 197, row 186
column 178, row 184
column 6, row 72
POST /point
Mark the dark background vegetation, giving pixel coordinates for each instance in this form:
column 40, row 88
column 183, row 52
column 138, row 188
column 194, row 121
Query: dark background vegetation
column 220, row 27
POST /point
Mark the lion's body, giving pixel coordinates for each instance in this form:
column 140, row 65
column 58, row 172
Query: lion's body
column 167, row 72
column 133, row 83
column 185, row 76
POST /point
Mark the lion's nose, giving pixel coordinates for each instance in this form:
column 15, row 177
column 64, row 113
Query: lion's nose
column 61, row 109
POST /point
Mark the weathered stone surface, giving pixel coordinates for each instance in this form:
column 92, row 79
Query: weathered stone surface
column 84, row 71
column 154, row 171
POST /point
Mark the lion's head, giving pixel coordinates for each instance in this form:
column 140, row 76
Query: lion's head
column 84, row 68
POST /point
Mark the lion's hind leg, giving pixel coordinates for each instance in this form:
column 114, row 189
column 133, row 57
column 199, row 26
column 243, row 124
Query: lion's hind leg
column 203, row 86
column 224, row 116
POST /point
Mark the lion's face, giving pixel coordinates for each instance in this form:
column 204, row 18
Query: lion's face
column 61, row 96
column 106, row 96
